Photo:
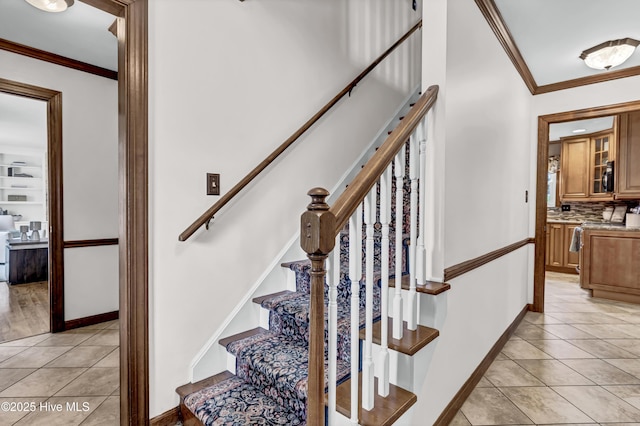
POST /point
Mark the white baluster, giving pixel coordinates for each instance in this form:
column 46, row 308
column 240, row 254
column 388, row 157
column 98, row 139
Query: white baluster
column 385, row 212
column 413, row 213
column 355, row 275
column 333, row 278
column 367, row 365
column 422, row 228
column 397, row 299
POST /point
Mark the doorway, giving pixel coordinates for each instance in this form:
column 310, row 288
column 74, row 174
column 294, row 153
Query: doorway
column 541, row 183
column 24, row 213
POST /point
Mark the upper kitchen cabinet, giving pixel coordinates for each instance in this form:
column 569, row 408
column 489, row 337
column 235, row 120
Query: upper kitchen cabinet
column 627, row 167
column 583, row 165
column 574, row 169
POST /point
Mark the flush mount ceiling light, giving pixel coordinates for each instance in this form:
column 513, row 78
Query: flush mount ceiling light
column 51, row 5
column 609, row 54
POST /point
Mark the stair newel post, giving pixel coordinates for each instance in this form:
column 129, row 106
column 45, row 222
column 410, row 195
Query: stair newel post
column 413, row 177
column 334, row 281
column 422, row 183
column 317, row 239
column 385, row 211
column 399, row 165
column 367, row 365
column 355, row 275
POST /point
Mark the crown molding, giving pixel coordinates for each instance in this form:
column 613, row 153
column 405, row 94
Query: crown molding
column 495, row 21
column 32, row 52
column 497, row 24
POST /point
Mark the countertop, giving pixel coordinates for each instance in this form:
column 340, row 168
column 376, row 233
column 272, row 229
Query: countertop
column 565, row 221
column 609, row 227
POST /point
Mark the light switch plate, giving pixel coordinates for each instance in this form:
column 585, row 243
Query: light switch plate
column 213, row 184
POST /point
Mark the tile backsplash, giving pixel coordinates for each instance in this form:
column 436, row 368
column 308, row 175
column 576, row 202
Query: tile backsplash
column 585, row 211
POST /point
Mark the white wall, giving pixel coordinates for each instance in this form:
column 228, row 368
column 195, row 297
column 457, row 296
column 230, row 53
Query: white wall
column 482, row 146
column 229, row 81
column 90, row 176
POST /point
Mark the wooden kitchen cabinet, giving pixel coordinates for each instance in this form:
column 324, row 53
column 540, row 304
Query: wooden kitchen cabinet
column 574, row 169
column 611, row 264
column 547, row 245
column 583, row 163
column 558, row 257
column 627, row 167
column 556, row 244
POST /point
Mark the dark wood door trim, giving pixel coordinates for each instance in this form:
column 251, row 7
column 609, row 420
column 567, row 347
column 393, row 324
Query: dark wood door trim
column 133, row 235
column 132, row 33
column 54, row 151
column 541, row 183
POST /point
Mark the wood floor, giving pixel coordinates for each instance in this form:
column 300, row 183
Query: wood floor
column 24, row 310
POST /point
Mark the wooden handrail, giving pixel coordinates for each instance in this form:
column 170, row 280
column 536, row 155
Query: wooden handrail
column 207, row 216
column 346, row 204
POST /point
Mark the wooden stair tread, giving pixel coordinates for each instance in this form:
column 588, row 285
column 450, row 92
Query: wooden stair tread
column 261, row 299
column 225, row 342
column 386, row 411
column 430, row 287
column 412, row 340
column 190, row 388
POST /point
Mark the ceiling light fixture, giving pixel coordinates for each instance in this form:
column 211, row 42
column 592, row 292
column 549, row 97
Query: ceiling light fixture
column 579, row 130
column 51, row 5
column 609, row 54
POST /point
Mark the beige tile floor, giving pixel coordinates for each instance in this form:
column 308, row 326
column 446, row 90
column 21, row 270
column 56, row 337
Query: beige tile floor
column 578, row 363
column 63, row 379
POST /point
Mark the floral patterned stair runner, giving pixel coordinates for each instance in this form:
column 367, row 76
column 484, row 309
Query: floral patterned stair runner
column 238, row 403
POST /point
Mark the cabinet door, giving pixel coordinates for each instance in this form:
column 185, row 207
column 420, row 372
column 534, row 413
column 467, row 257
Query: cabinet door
column 602, row 151
column 571, row 259
column 574, row 169
column 556, row 243
column 627, row 167
column 547, row 235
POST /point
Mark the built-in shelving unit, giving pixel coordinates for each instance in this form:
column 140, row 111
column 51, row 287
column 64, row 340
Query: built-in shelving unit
column 23, row 184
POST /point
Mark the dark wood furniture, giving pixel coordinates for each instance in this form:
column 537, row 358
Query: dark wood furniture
column 27, row 261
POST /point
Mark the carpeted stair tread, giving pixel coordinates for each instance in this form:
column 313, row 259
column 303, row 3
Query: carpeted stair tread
column 289, row 316
column 278, row 366
column 260, row 299
column 412, row 340
column 225, row 341
column 430, row 287
column 235, row 402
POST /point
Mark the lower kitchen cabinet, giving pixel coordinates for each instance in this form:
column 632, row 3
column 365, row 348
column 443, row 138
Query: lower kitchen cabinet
column 558, row 256
column 611, row 264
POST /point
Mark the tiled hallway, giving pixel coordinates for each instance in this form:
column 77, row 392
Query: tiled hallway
column 578, row 363
column 63, row 379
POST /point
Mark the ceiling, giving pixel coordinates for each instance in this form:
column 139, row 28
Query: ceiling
column 551, row 34
column 592, row 125
column 80, row 33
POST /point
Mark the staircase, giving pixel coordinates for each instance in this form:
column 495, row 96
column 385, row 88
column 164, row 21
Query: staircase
column 271, row 365
column 271, row 383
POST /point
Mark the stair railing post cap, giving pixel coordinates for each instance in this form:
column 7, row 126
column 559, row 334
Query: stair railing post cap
column 318, row 196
